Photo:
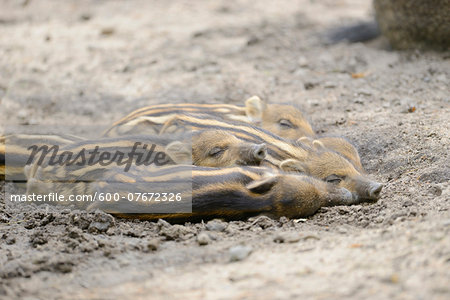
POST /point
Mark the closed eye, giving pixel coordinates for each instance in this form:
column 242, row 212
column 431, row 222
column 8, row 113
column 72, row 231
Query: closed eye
column 334, row 179
column 286, row 123
column 216, row 151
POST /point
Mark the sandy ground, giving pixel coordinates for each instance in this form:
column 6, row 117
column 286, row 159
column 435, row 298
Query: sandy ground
column 84, row 64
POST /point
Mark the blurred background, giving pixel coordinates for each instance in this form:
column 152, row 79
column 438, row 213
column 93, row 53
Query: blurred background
column 82, row 65
column 94, row 61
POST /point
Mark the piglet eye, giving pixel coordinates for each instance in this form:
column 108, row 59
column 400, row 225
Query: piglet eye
column 285, row 123
column 335, row 179
column 216, row 151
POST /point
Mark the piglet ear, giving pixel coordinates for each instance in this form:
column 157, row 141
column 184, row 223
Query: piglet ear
column 293, row 165
column 318, row 145
column 179, row 152
column 263, row 185
column 304, row 140
column 254, row 108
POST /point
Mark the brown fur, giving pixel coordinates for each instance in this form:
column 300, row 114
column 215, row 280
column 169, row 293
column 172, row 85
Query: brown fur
column 216, row 148
column 275, row 195
column 14, row 151
column 337, row 144
column 315, row 160
column 283, row 120
column 330, row 166
column 196, row 148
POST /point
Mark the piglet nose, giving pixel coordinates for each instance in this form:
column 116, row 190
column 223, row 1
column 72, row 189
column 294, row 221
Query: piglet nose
column 375, row 190
column 260, row 152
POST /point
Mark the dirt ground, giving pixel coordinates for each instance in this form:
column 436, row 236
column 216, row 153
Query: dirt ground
column 85, row 64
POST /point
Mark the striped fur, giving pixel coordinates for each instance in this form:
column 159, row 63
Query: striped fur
column 278, row 148
column 226, row 151
column 206, row 148
column 339, row 145
column 283, row 120
column 230, row 193
column 315, row 160
column 14, row 152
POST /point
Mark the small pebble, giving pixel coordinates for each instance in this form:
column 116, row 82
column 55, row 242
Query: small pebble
column 302, row 61
column 98, row 227
column 216, row 225
column 313, row 102
column 203, row 239
column 107, row 31
column 63, row 266
column 10, row 241
column 22, row 114
column 153, row 245
column 163, row 223
column 329, row 85
column 407, row 203
column 365, row 92
column 435, row 190
column 238, row 253
column 85, row 17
